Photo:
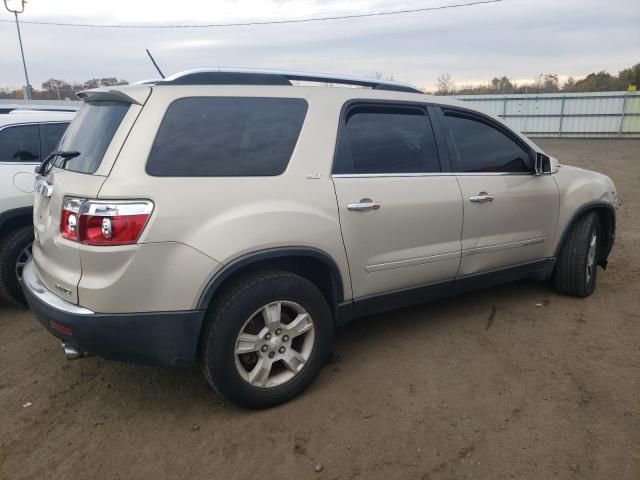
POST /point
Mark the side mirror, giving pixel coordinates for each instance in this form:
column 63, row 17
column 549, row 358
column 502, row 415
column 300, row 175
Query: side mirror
column 543, row 164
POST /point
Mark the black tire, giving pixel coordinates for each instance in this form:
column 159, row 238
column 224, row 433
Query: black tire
column 11, row 247
column 571, row 276
column 238, row 303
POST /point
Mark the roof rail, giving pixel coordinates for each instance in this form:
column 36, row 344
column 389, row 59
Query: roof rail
column 250, row 76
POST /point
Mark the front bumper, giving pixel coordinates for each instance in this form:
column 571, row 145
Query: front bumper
column 152, row 338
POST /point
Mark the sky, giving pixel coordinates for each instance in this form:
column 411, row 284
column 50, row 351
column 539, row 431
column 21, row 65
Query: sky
column 517, row 38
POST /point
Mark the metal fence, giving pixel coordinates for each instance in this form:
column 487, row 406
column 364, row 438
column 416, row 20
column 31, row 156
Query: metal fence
column 598, row 114
column 7, row 104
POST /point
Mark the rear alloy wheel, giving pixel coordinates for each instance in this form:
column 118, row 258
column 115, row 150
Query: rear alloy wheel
column 274, row 344
column 268, row 336
column 15, row 252
column 576, row 268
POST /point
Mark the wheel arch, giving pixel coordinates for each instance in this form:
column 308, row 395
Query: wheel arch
column 607, row 216
column 310, row 263
column 17, row 217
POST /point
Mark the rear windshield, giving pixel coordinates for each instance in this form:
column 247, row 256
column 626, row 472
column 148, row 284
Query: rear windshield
column 90, row 133
column 227, row 137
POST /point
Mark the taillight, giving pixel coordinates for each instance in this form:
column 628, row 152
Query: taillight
column 69, row 218
column 97, row 222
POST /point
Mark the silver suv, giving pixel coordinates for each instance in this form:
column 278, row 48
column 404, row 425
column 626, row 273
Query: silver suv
column 232, row 219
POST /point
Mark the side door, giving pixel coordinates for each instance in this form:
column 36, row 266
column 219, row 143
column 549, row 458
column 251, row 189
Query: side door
column 400, row 214
column 510, row 214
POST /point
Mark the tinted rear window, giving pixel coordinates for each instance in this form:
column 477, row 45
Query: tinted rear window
column 227, row 137
column 387, row 139
column 91, row 132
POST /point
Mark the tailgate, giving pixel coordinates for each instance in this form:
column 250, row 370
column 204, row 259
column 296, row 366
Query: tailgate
column 58, row 259
column 95, row 136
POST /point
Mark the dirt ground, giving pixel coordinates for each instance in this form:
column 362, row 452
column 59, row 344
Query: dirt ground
column 547, row 387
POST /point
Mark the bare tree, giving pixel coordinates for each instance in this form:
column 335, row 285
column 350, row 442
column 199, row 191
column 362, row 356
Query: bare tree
column 445, row 84
column 382, row 76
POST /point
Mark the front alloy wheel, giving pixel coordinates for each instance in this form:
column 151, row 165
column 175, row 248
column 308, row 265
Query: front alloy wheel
column 577, row 265
column 591, row 256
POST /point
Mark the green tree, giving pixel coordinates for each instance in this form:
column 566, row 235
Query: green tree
column 629, row 76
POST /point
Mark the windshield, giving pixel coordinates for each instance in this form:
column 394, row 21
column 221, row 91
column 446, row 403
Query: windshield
column 90, row 133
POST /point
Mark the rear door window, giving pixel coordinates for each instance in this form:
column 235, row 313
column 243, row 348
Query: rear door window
column 50, row 135
column 91, row 132
column 226, row 137
column 20, row 143
column 386, row 139
column 482, row 147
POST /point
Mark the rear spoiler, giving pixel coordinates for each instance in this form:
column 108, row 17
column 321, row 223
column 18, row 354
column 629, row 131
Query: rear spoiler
column 136, row 94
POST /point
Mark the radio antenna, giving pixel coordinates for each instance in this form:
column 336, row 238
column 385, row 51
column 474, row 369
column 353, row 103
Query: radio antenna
column 154, row 63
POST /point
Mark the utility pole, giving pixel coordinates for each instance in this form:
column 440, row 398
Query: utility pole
column 16, row 11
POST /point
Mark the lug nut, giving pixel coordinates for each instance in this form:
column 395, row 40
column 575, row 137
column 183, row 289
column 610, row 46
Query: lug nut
column 281, row 350
column 285, row 338
column 268, row 336
column 272, row 354
column 264, row 348
column 278, row 331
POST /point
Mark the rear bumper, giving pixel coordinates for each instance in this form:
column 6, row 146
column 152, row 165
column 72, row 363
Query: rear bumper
column 154, row 338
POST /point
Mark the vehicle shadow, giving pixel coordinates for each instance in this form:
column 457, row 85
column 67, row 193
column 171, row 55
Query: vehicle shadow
column 175, row 388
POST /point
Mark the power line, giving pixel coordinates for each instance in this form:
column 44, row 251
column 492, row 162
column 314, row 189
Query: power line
column 265, row 22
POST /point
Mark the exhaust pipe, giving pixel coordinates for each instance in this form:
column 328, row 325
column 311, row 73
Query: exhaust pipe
column 72, row 352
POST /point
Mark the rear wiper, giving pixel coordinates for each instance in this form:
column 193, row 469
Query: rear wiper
column 66, row 155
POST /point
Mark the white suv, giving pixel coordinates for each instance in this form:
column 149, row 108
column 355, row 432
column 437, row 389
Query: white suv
column 26, row 137
column 232, row 219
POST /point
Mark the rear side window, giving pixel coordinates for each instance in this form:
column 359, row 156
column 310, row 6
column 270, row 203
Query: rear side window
column 20, row 143
column 227, row 137
column 386, row 139
column 484, row 148
column 50, row 135
column 91, row 132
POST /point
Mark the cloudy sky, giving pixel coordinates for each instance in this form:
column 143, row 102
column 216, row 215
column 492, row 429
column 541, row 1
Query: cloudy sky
column 517, row 38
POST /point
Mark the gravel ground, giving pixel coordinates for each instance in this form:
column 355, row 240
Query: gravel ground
column 444, row 390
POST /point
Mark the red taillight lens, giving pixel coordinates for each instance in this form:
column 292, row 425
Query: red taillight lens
column 69, row 217
column 114, row 230
column 118, row 222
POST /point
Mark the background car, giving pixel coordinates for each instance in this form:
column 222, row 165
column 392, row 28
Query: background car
column 26, row 137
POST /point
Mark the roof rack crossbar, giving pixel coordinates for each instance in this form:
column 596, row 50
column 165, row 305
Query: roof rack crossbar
column 222, row 75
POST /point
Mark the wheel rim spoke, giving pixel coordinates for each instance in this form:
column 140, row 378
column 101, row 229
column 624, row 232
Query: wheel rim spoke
column 591, row 255
column 24, row 256
column 246, row 343
column 301, row 324
column 260, row 373
column 294, row 361
column 271, row 314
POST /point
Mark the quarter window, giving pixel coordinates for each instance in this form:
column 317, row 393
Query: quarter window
column 227, row 137
column 483, row 148
column 20, row 143
column 385, row 139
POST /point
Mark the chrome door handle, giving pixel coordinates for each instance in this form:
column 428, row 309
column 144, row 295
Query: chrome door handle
column 363, row 206
column 482, row 197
